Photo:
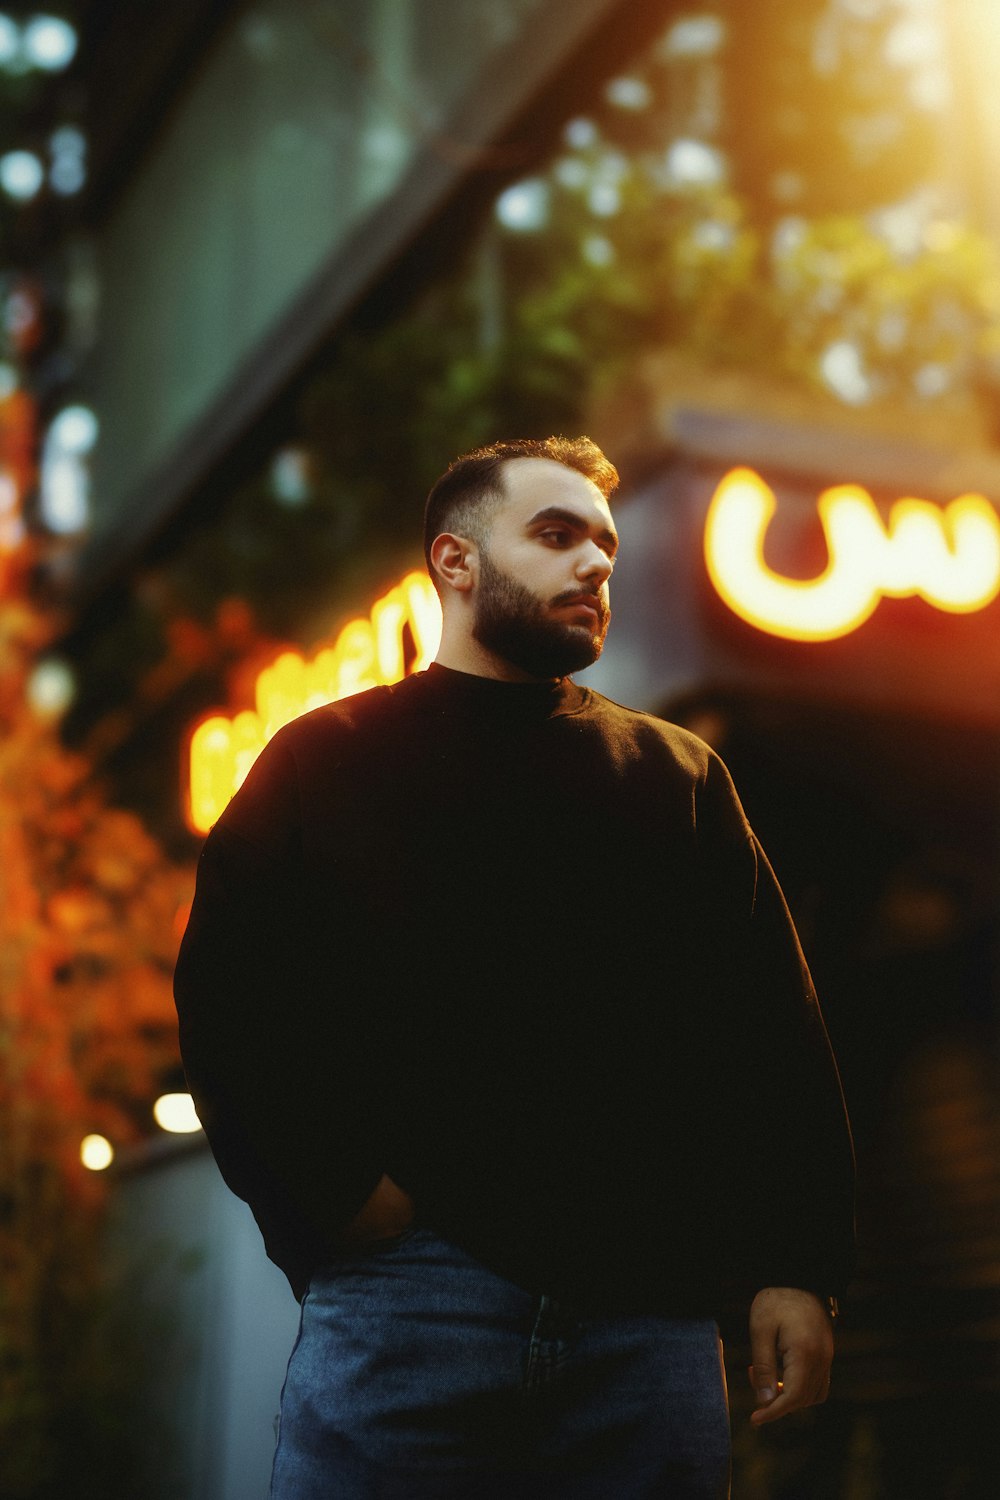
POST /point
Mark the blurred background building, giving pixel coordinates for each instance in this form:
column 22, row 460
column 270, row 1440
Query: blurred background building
column 265, row 270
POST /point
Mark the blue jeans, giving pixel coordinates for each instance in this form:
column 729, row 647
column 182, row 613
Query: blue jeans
column 419, row 1374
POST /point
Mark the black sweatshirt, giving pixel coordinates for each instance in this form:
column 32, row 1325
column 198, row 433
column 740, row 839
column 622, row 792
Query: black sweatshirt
column 517, row 947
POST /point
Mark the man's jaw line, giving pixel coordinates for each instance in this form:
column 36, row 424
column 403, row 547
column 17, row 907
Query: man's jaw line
column 464, row 649
column 477, row 660
column 469, row 655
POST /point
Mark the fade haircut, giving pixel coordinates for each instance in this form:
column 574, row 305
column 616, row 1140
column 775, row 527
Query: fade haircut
column 471, row 490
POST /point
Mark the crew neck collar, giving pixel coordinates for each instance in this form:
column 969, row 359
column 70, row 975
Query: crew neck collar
column 465, row 692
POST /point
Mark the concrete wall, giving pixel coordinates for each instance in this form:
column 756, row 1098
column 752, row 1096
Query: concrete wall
column 217, row 1323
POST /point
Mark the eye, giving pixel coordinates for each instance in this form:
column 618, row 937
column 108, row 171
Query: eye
column 555, row 536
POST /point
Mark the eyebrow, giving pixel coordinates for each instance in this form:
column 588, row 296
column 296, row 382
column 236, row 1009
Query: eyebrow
column 576, row 523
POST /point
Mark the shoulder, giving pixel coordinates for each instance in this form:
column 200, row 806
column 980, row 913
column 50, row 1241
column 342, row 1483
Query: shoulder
column 329, row 722
column 656, row 737
column 369, row 709
column 349, row 730
column 270, row 797
column 336, row 730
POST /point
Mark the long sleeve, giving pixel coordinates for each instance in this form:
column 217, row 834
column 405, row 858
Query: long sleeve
column 789, row 1132
column 270, row 1048
column 473, row 939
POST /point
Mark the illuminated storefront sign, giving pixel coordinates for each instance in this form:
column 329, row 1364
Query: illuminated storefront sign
column 365, row 654
column 948, row 555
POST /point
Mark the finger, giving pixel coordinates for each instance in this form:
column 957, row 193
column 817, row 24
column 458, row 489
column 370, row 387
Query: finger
column 765, row 1382
column 764, row 1353
column 786, row 1401
column 792, row 1395
column 805, row 1384
column 775, row 1410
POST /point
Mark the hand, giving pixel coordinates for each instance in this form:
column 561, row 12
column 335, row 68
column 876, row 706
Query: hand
column 790, row 1335
column 386, row 1212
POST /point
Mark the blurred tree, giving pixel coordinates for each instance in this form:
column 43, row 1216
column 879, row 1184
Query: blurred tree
column 830, row 104
column 89, row 923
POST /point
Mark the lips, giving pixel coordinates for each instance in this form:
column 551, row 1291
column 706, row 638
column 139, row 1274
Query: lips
column 586, row 602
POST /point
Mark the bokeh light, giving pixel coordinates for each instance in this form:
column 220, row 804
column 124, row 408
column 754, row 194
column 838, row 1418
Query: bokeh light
column 176, row 1114
column 75, row 429
column 694, row 36
column 844, row 372
column 96, row 1153
column 629, row 93
column 692, row 163
column 580, row 133
column 49, row 43
column 597, row 250
column 604, row 199
column 64, row 486
column 10, row 40
column 68, row 169
column 21, row 175
column 291, row 477
column 525, row 206
column 51, row 687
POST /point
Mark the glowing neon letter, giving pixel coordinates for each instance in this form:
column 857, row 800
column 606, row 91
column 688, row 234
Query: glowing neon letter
column 365, row 654
column 949, row 556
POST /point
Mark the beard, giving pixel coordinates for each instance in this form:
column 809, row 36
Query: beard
column 513, row 623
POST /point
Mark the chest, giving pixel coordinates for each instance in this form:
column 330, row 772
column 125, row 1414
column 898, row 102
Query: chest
column 512, row 831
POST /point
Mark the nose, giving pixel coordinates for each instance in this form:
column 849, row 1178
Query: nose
column 594, row 563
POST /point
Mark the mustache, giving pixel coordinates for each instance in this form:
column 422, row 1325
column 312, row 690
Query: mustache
column 585, row 596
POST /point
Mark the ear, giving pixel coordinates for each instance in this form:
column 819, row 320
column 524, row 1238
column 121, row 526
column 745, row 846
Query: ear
column 455, row 558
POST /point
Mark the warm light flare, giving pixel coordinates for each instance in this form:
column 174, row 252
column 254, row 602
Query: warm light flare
column 366, row 653
column 96, row 1153
column 176, row 1113
column 949, row 556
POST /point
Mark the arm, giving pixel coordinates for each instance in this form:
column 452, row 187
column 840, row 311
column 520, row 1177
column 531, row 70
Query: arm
column 794, row 1155
column 269, row 1047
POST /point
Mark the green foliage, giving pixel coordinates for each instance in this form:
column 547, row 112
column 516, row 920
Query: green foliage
column 936, row 307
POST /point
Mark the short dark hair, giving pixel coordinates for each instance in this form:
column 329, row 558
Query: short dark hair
column 466, row 497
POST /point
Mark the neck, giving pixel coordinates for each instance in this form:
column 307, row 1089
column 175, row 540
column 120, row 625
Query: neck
column 463, row 653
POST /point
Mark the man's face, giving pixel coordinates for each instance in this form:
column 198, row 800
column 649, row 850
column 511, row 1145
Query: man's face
column 541, row 598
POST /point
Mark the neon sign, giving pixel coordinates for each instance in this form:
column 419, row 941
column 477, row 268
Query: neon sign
column 365, row 654
column 949, row 556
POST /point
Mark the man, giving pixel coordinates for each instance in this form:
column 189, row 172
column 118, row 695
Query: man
column 494, row 1014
